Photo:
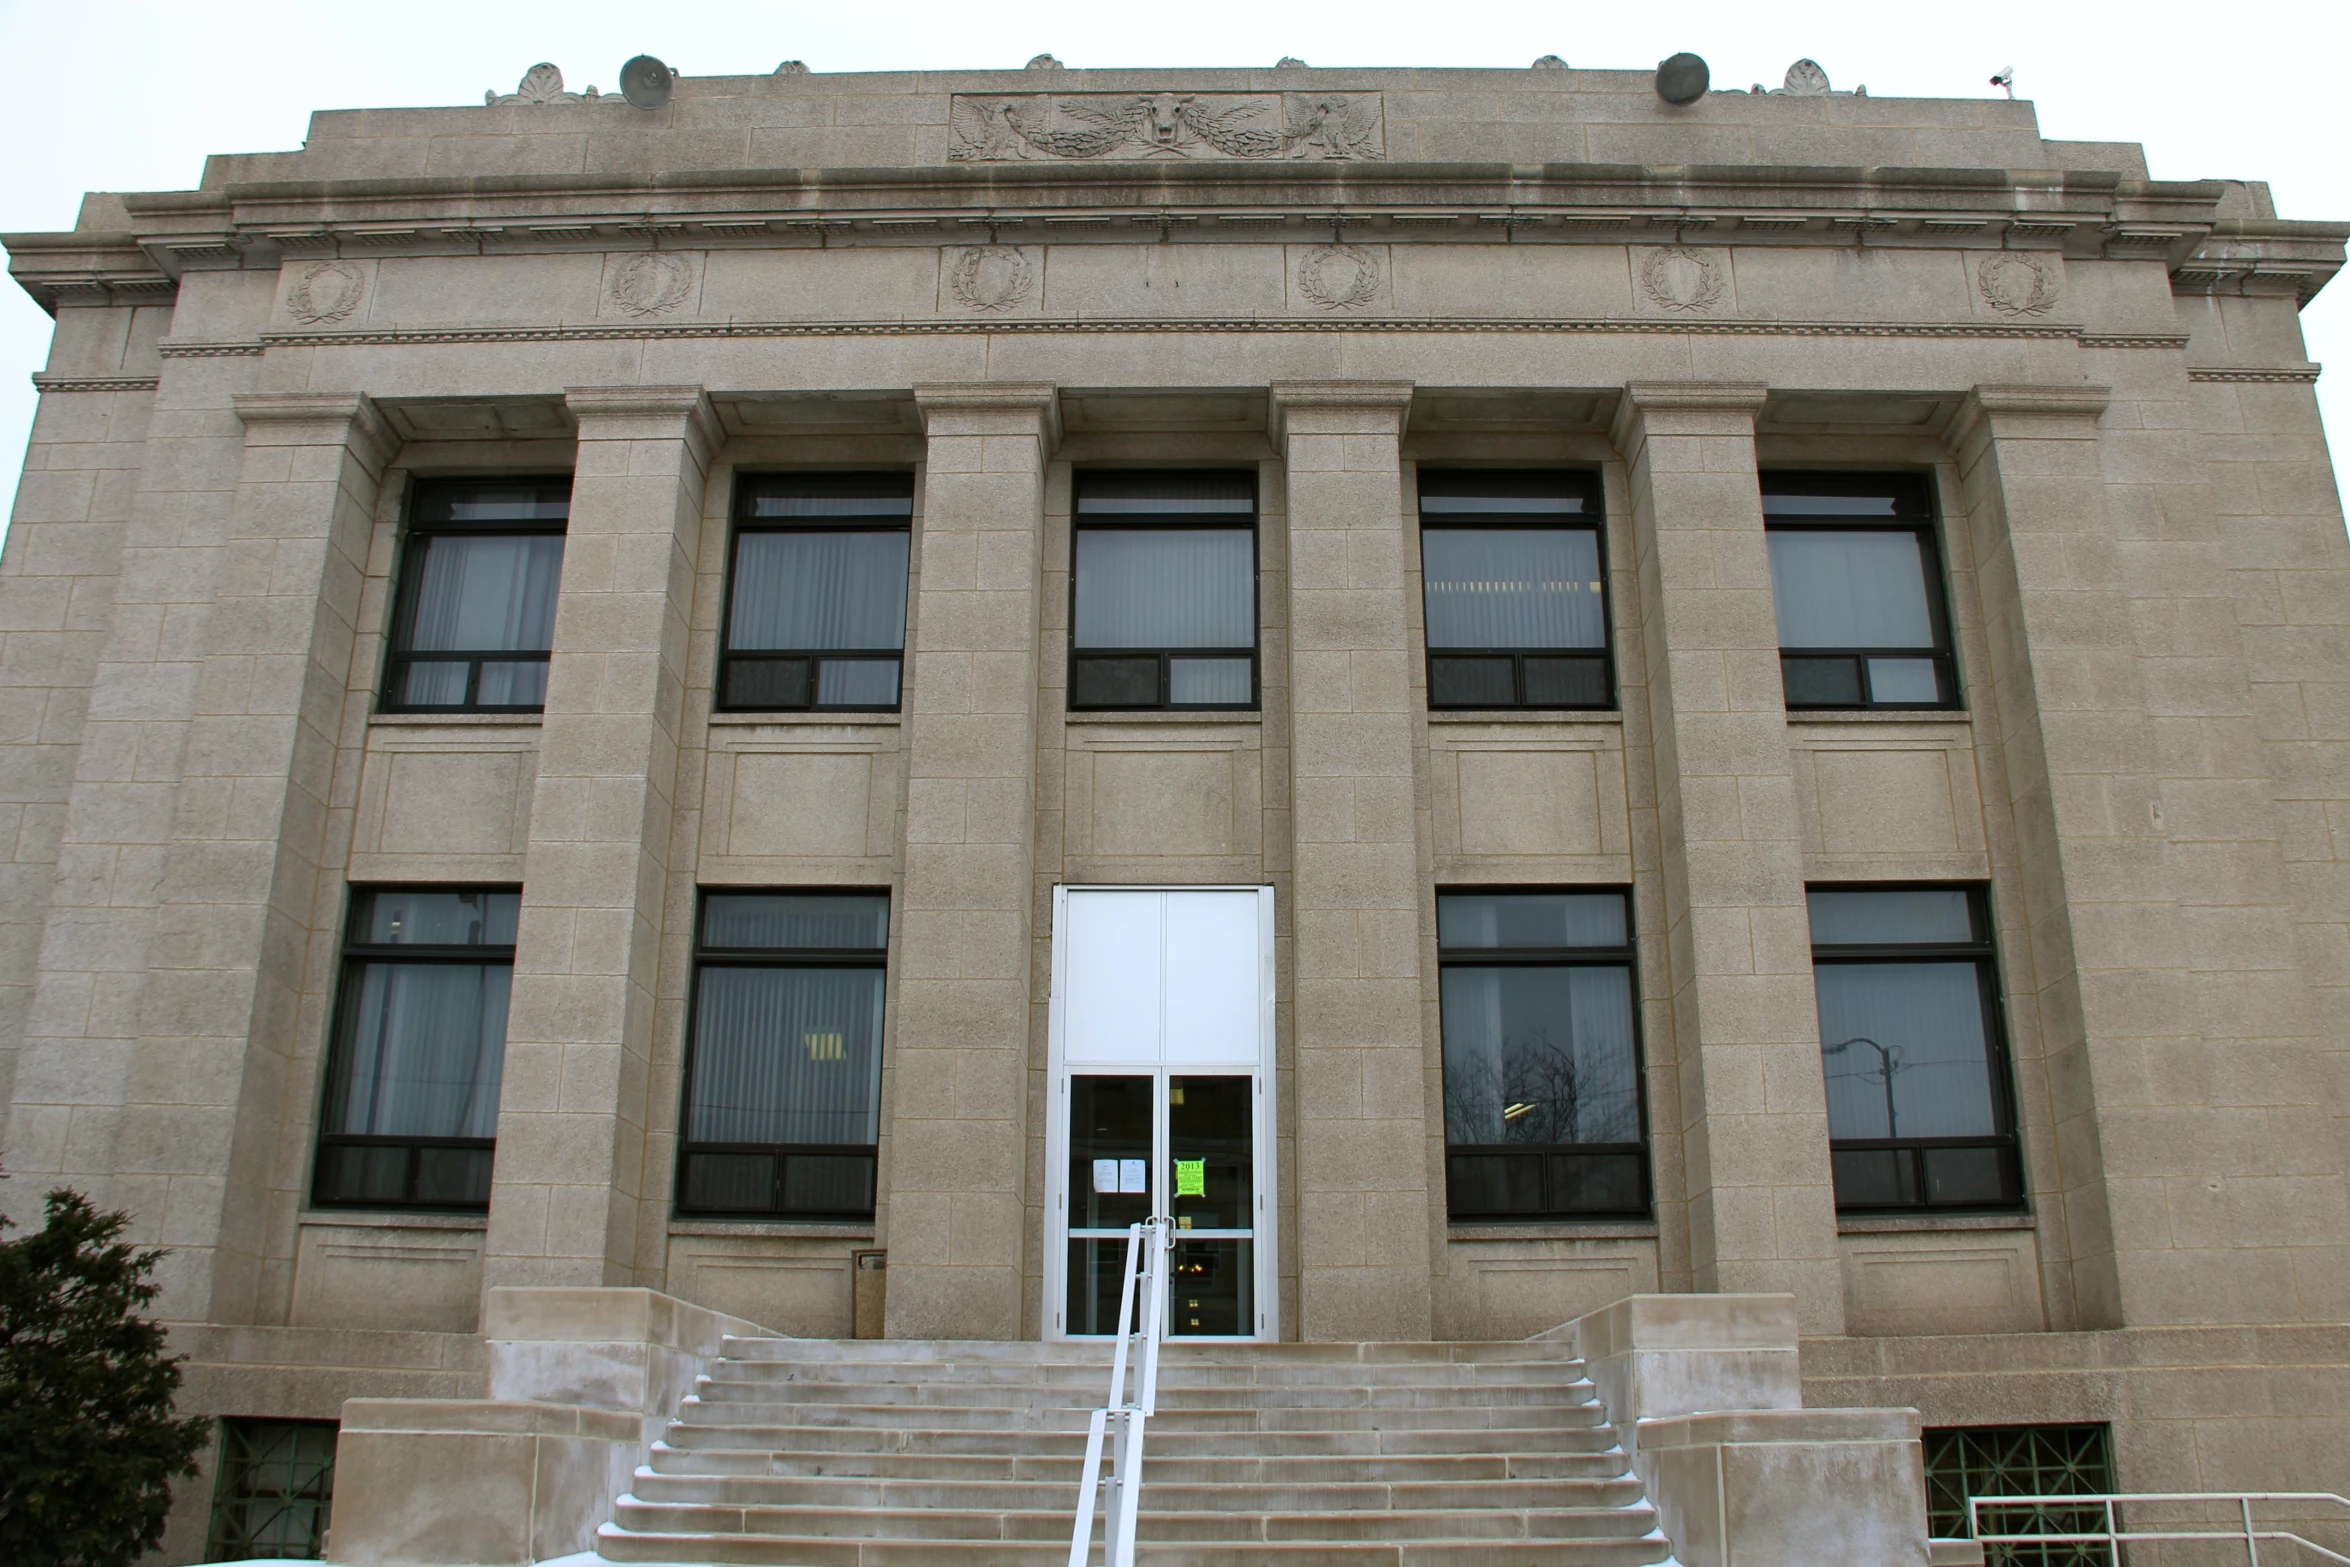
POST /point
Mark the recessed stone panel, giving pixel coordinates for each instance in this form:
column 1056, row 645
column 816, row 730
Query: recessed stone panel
column 439, row 803
column 364, row 1276
column 1885, row 802
column 1942, row 1283
column 1528, row 802
column 800, row 805
column 1162, row 802
column 778, row 1283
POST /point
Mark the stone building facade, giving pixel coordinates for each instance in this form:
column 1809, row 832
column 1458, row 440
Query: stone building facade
column 1724, row 514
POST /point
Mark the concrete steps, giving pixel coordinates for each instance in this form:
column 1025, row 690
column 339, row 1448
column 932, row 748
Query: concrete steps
column 895, row 1454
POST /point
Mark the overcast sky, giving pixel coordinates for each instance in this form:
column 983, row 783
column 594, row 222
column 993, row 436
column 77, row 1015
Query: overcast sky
column 132, row 95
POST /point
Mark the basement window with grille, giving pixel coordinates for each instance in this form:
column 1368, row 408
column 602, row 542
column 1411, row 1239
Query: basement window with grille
column 274, row 1490
column 2041, row 1460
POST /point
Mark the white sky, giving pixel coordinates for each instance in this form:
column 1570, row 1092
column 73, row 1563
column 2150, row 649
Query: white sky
column 131, row 95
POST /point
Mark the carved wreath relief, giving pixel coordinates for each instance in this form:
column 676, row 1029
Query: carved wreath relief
column 992, row 278
column 652, row 285
column 1339, row 277
column 327, row 291
column 1312, row 126
column 2016, row 283
column 1679, row 278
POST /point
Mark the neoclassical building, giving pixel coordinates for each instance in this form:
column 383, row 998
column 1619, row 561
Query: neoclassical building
column 1501, row 694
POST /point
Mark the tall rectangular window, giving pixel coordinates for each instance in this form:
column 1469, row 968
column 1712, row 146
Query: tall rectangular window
column 816, row 605
column 783, row 1095
column 475, row 617
column 1858, row 586
column 1511, row 574
column 274, row 1490
column 419, row 1045
column 1542, row 1097
column 1164, row 590
column 1918, row 1108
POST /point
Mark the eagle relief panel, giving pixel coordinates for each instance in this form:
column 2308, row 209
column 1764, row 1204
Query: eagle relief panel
column 1315, row 127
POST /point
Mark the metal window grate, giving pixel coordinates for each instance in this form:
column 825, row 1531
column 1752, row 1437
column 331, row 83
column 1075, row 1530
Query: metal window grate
column 275, row 1488
column 2067, row 1460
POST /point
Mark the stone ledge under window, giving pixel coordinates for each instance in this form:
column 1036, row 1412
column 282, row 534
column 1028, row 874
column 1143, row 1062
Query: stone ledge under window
column 772, row 1228
column 811, row 717
column 466, row 720
column 1910, row 715
column 378, row 1219
column 1917, row 1223
column 1521, row 715
column 1147, row 716
column 1575, row 1230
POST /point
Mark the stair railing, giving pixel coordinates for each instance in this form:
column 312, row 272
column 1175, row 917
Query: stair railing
column 1118, row 1423
column 2113, row 1536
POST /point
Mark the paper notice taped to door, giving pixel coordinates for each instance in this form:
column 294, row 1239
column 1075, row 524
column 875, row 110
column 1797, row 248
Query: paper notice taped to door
column 1191, row 1177
column 1134, row 1176
column 1105, row 1176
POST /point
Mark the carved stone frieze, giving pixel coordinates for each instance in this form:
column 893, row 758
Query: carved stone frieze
column 653, row 284
column 1322, row 127
column 1678, row 278
column 1339, row 277
column 2017, row 283
column 325, row 291
column 991, row 278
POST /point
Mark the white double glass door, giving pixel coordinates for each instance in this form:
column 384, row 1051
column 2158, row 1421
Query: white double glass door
column 1162, row 1090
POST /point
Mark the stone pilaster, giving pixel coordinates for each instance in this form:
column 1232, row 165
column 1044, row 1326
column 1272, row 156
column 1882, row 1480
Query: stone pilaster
column 1762, row 1215
column 958, row 1144
column 204, row 1112
column 1363, row 1214
column 579, row 1037
column 2196, row 1159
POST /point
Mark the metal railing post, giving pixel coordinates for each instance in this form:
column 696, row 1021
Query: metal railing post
column 1143, row 1294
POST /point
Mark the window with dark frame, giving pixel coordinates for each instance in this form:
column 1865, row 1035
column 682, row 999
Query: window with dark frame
column 1513, row 577
column 1919, row 1114
column 783, row 1086
column 273, row 1491
column 2041, row 1460
column 1543, row 1100
column 1857, row 581
column 474, row 621
column 1163, row 588
column 419, row 1046
column 816, row 596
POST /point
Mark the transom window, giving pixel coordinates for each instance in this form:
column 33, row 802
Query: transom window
column 475, row 618
column 1542, row 1095
column 1164, row 590
column 1510, row 570
column 418, row 1050
column 816, row 614
column 783, row 1099
column 1918, row 1109
column 1858, row 586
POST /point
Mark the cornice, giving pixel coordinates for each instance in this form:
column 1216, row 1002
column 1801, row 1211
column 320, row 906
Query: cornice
column 2304, row 375
column 45, row 382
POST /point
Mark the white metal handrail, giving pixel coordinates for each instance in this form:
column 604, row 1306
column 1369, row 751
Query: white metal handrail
column 1147, row 1248
column 2113, row 1536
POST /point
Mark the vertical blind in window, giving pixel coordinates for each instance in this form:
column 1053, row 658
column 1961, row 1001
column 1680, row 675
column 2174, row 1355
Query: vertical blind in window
column 1515, row 596
column 816, row 614
column 1857, row 585
column 784, row 1099
column 419, row 1048
column 1542, row 1106
column 1165, row 590
column 1917, row 1091
column 476, row 613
